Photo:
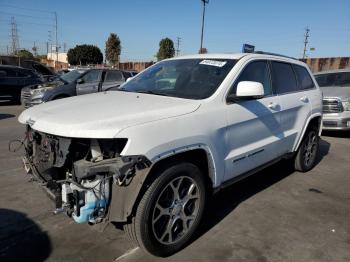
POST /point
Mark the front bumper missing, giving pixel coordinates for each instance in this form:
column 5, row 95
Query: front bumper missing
column 122, row 170
column 53, row 193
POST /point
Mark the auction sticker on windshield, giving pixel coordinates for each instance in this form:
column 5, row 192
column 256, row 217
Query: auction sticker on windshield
column 213, row 63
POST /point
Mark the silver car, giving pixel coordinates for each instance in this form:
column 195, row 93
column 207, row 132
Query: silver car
column 335, row 86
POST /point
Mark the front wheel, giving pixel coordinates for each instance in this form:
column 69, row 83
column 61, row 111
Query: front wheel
column 169, row 211
column 306, row 156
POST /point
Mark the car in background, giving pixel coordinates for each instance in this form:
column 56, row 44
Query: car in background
column 63, row 71
column 76, row 82
column 335, row 86
column 13, row 79
column 129, row 73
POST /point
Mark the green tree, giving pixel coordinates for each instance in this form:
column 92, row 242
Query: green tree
column 24, row 54
column 113, row 48
column 84, row 54
column 41, row 56
column 166, row 49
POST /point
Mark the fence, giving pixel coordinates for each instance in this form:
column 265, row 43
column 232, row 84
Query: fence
column 327, row 63
column 138, row 66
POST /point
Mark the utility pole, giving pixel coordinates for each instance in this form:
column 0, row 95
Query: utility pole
column 178, row 40
column 14, row 36
column 307, row 35
column 56, row 47
column 204, row 2
column 35, row 49
column 64, row 47
column 49, row 45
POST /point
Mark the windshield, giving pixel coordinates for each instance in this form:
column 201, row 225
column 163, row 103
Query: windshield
column 71, row 76
column 333, row 79
column 184, row 78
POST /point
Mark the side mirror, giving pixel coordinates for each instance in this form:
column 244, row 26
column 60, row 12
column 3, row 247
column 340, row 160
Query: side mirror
column 129, row 78
column 80, row 81
column 247, row 90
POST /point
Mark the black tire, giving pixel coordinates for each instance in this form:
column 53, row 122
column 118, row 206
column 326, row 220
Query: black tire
column 306, row 156
column 141, row 229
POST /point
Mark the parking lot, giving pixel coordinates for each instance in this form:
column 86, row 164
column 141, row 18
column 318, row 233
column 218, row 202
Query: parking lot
column 274, row 215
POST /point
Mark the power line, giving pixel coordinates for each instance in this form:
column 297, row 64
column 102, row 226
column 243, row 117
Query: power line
column 307, row 35
column 29, row 9
column 31, row 16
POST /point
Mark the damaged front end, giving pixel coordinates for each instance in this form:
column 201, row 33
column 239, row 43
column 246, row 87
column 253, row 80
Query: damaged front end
column 82, row 175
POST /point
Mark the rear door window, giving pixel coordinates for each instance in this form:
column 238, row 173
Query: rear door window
column 304, row 78
column 113, row 76
column 23, row 73
column 92, row 76
column 283, row 78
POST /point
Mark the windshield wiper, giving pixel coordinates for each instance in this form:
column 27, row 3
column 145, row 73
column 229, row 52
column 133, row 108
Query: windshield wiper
column 151, row 92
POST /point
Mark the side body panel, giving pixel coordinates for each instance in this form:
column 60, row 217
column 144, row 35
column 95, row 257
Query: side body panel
column 253, row 135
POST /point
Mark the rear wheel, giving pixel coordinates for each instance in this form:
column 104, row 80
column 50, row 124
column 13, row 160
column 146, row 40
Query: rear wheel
column 169, row 211
column 306, row 156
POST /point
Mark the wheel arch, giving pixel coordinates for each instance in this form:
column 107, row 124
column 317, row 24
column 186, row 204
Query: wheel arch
column 198, row 155
column 313, row 120
column 126, row 199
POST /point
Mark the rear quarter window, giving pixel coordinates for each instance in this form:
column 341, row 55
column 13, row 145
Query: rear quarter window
column 283, row 78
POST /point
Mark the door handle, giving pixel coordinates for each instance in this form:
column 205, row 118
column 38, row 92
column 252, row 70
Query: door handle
column 304, row 99
column 273, row 105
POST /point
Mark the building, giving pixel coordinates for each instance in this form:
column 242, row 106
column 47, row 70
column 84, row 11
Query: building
column 327, row 63
column 62, row 57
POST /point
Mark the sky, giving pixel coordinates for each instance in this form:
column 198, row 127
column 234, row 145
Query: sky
column 271, row 25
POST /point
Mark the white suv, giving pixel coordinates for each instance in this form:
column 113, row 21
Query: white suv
column 149, row 155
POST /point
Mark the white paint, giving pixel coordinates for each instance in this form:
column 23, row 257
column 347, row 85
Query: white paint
column 157, row 126
column 249, row 88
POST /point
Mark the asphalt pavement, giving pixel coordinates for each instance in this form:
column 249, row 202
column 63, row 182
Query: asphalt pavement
column 274, row 215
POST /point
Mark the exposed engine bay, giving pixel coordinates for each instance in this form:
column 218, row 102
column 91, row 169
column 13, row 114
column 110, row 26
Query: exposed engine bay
column 79, row 174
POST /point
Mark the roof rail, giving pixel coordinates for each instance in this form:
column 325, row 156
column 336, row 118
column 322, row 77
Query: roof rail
column 268, row 53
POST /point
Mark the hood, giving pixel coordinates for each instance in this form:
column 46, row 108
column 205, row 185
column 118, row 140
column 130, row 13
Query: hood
column 343, row 92
column 103, row 115
column 46, row 85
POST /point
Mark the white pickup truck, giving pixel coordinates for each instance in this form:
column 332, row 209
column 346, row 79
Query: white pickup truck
column 149, row 155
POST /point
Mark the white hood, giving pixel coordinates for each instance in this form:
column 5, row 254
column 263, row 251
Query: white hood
column 103, row 115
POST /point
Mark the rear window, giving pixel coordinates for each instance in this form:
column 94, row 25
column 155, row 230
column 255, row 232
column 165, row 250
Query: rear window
column 283, row 78
column 304, row 78
column 6, row 72
column 113, row 75
column 333, row 79
column 41, row 69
